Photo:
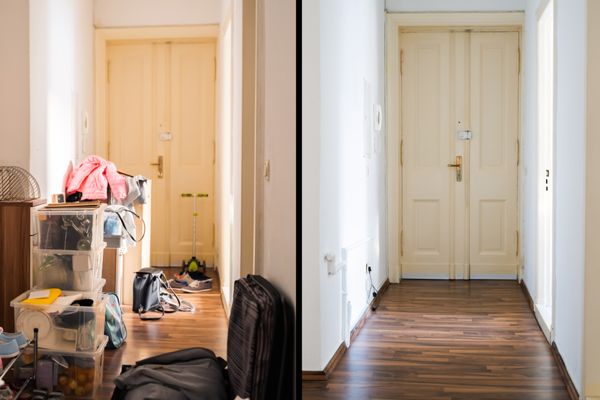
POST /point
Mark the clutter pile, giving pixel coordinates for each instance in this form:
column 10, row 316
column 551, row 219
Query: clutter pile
column 65, row 304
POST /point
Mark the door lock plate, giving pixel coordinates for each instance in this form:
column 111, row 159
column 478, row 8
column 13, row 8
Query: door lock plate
column 464, row 135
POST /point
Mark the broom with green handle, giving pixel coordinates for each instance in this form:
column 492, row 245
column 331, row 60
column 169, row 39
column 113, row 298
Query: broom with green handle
column 193, row 264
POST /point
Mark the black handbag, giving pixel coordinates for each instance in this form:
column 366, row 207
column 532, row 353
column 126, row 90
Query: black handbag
column 146, row 292
column 152, row 292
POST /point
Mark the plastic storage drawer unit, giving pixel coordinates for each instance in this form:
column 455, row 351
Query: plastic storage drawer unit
column 77, row 375
column 75, row 327
column 67, row 269
column 70, row 228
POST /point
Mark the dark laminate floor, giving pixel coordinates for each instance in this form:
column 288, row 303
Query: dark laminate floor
column 447, row 340
column 206, row 327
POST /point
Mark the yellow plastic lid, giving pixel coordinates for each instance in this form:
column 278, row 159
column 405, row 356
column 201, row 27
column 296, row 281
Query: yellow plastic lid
column 54, row 293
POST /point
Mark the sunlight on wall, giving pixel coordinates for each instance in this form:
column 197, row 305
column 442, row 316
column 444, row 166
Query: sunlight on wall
column 61, row 53
column 224, row 160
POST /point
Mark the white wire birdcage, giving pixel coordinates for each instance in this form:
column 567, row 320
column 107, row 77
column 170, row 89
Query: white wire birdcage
column 16, row 184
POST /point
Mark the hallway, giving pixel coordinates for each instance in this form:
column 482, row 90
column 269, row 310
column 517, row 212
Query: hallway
column 447, row 340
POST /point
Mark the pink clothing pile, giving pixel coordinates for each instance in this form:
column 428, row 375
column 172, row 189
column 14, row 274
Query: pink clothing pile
column 93, row 176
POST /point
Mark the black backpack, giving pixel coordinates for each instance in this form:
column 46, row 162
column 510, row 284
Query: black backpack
column 114, row 326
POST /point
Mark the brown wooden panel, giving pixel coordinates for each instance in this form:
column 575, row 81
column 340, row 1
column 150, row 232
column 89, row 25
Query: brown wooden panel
column 109, row 269
column 15, row 221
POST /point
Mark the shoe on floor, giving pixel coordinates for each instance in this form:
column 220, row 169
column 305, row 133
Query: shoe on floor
column 18, row 337
column 8, row 348
column 197, row 286
column 187, row 278
column 175, row 284
column 198, row 276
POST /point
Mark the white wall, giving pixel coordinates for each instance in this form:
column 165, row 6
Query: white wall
column 592, row 277
column 311, row 155
column 228, row 142
column 454, row 5
column 276, row 121
column 14, row 83
column 277, row 106
column 113, row 13
column 571, row 42
column 529, row 142
column 61, row 69
column 350, row 188
column 569, row 173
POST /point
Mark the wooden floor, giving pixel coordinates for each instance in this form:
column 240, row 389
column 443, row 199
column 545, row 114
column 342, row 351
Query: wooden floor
column 447, row 340
column 206, row 327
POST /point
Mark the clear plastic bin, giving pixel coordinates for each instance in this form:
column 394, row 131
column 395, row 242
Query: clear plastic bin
column 77, row 375
column 67, row 269
column 74, row 327
column 70, row 228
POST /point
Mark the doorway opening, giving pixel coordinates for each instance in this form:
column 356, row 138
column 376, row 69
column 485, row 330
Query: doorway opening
column 545, row 123
column 156, row 91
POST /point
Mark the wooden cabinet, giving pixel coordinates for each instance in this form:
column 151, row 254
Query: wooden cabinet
column 15, row 251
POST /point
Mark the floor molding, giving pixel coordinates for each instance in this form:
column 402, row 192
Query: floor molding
column 527, row 294
column 564, row 373
column 372, row 307
column 324, row 375
column 337, row 356
column 555, row 353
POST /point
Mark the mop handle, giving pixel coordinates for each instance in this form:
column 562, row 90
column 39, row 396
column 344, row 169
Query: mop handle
column 194, row 214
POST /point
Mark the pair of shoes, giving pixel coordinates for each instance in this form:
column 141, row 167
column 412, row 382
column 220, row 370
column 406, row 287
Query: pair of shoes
column 198, row 276
column 198, row 286
column 11, row 343
column 192, row 286
column 188, row 278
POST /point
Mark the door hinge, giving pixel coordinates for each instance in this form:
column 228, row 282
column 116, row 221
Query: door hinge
column 108, row 72
column 108, row 150
column 518, row 152
column 402, row 152
column 214, row 152
column 402, row 243
column 519, row 60
column 213, row 235
column 401, row 61
column 517, row 244
column 215, row 65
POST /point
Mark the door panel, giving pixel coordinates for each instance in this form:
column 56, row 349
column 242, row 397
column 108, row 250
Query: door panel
column 494, row 122
column 192, row 148
column 426, row 119
column 129, row 106
column 454, row 81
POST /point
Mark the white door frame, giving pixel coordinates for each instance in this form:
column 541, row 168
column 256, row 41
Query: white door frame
column 396, row 22
column 541, row 290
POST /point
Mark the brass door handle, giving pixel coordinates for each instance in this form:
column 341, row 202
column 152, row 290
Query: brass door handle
column 458, row 166
column 160, row 165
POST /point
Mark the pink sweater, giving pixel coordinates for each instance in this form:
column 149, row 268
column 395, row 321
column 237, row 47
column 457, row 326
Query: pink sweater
column 92, row 176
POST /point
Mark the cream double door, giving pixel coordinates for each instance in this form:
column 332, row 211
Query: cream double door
column 456, row 84
column 161, row 124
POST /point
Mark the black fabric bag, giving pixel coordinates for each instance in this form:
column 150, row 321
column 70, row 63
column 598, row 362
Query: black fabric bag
column 259, row 346
column 146, row 292
column 152, row 292
column 194, row 373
